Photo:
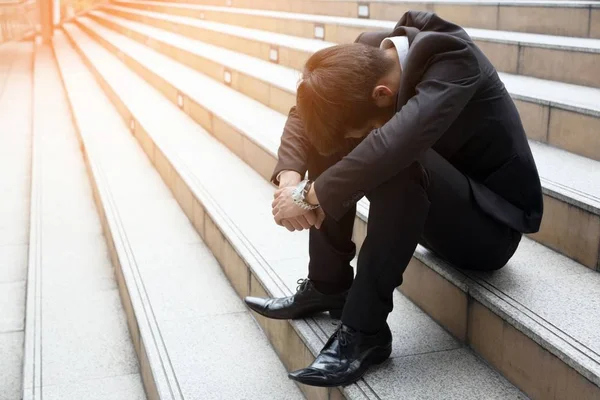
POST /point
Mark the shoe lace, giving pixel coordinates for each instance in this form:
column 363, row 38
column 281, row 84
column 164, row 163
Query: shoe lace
column 344, row 336
column 302, row 285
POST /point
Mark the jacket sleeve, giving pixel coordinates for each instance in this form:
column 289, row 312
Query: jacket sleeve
column 449, row 77
column 295, row 148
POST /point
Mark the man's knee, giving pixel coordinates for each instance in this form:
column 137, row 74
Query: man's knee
column 413, row 178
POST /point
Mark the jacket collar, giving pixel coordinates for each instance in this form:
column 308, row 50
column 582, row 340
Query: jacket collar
column 405, row 89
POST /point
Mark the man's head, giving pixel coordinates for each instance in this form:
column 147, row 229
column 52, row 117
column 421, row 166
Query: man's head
column 346, row 91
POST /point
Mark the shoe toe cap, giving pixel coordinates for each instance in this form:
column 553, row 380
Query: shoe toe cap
column 307, row 375
column 255, row 302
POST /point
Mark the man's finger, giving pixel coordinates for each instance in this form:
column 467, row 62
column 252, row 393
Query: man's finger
column 296, row 224
column 311, row 218
column 279, row 217
column 304, row 222
column 275, row 202
column 288, row 225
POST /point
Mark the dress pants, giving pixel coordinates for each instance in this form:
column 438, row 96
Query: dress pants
column 430, row 202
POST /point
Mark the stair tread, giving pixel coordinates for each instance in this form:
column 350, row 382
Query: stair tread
column 572, row 97
column 522, row 38
column 279, row 39
column 421, row 347
column 566, row 176
column 574, row 335
column 194, row 300
column 72, row 299
column 578, row 98
column 561, row 173
column 280, row 76
column 565, row 95
column 196, row 84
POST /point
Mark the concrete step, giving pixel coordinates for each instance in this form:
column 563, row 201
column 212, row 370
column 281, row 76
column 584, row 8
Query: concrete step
column 571, row 198
column 426, row 361
column 193, row 336
column 559, row 58
column 539, row 333
column 568, row 18
column 76, row 340
column 15, row 163
column 565, row 115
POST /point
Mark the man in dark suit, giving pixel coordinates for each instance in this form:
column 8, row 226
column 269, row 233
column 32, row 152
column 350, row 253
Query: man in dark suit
column 418, row 121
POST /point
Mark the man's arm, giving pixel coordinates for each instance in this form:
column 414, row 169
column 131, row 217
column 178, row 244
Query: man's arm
column 295, row 147
column 450, row 75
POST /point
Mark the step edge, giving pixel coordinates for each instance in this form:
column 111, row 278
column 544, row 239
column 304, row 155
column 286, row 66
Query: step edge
column 32, row 339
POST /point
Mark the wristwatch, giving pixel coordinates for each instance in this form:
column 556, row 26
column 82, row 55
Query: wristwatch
column 300, row 193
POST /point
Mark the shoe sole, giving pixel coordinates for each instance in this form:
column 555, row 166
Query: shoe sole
column 378, row 356
column 334, row 314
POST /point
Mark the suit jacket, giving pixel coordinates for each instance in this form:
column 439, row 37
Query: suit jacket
column 451, row 100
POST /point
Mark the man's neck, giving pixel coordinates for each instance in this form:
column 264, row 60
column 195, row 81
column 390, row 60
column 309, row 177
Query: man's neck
column 393, row 78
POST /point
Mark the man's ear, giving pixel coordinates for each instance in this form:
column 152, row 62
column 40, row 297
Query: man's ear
column 383, row 96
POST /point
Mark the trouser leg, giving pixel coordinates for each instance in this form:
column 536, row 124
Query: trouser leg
column 331, row 247
column 457, row 229
column 397, row 214
column 429, row 202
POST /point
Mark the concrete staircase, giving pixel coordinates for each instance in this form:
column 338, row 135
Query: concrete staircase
column 201, row 173
column 177, row 108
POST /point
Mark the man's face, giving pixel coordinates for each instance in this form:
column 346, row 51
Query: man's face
column 374, row 123
column 362, row 131
column 366, row 128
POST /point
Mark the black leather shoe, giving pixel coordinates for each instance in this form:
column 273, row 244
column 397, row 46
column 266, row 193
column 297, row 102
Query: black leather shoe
column 307, row 301
column 346, row 357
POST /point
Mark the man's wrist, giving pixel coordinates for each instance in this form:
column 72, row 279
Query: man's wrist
column 311, row 197
column 288, row 178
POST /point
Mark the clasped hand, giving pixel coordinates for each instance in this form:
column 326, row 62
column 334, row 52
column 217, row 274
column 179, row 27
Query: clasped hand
column 289, row 214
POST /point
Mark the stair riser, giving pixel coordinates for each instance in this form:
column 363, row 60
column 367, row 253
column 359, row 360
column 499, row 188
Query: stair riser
column 274, row 97
column 462, row 314
column 282, row 334
column 287, row 56
column 577, row 67
column 568, row 229
column 567, row 21
column 571, row 130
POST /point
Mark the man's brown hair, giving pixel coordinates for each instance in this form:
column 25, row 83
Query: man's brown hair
column 335, row 92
